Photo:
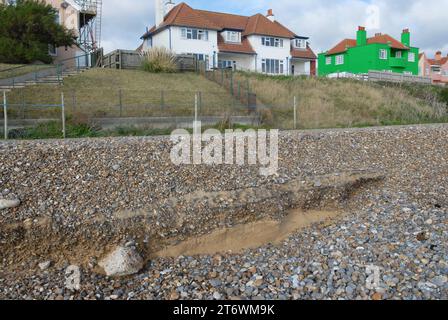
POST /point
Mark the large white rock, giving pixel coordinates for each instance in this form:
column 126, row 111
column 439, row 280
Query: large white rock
column 123, row 261
column 6, row 204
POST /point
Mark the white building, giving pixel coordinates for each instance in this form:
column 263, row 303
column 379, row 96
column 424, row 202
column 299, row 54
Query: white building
column 258, row 43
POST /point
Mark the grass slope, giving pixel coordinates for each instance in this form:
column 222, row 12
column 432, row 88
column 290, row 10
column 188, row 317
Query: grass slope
column 100, row 92
column 332, row 103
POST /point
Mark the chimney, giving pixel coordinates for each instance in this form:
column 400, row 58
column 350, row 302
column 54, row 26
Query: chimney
column 379, row 34
column 160, row 12
column 406, row 38
column 270, row 15
column 439, row 55
column 361, row 36
column 169, row 6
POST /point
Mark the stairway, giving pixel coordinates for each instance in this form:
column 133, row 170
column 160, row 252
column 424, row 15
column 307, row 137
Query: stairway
column 47, row 80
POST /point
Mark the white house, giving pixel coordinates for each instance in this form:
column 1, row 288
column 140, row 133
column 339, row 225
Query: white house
column 257, row 43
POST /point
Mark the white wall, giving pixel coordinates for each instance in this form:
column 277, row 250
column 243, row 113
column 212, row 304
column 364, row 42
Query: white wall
column 244, row 62
column 265, row 52
column 170, row 38
column 301, row 67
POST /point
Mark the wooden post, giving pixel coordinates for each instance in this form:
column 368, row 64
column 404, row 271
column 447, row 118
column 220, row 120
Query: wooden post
column 63, row 114
column 295, row 113
column 5, row 115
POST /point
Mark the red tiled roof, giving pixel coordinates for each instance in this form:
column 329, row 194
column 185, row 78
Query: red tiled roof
column 386, row 39
column 342, row 46
column 380, row 38
column 243, row 47
column 303, row 53
column 225, row 20
column 260, row 25
column 440, row 62
column 184, row 15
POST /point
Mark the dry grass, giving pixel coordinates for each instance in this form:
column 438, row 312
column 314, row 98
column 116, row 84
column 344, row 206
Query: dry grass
column 159, row 60
column 5, row 73
column 97, row 92
column 327, row 103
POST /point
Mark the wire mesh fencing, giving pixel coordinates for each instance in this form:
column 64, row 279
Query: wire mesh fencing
column 119, row 107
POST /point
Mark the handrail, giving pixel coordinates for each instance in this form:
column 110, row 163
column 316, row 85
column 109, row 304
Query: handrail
column 25, row 66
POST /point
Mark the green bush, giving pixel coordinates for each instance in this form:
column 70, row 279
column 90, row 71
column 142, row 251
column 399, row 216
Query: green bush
column 26, row 29
column 159, row 60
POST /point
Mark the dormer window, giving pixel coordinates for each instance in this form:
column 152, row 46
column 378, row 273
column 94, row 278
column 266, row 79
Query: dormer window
column 232, row 36
column 300, row 43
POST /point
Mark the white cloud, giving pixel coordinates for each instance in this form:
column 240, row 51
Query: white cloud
column 326, row 22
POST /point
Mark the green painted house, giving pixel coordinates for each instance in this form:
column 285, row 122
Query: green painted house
column 378, row 53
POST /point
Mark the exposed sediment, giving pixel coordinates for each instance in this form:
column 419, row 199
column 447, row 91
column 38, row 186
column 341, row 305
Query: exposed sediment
column 78, row 198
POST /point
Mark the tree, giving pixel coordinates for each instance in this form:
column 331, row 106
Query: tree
column 27, row 28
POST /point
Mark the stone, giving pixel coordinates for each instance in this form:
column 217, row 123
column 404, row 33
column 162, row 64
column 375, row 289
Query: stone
column 123, row 261
column 216, row 295
column 8, row 204
column 44, row 265
column 439, row 280
column 377, row 296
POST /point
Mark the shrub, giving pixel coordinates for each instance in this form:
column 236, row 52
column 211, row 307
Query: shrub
column 159, row 60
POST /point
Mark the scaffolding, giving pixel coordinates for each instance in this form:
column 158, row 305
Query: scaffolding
column 90, row 12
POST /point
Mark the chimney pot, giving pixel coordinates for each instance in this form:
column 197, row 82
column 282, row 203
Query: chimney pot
column 361, row 28
column 378, row 34
column 406, row 30
column 270, row 15
column 438, row 55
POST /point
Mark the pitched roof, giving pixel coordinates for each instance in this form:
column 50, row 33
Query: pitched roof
column 260, row 25
column 342, row 46
column 243, row 47
column 303, row 53
column 440, row 62
column 185, row 16
column 380, row 38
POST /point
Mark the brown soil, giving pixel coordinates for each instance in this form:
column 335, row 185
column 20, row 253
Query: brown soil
column 248, row 236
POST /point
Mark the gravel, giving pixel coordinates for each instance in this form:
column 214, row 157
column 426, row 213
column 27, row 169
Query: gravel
column 397, row 226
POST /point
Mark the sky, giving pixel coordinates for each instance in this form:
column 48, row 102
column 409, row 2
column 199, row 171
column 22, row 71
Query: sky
column 326, row 22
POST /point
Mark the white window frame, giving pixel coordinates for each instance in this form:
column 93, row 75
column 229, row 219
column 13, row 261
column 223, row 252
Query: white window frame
column 407, row 73
column 340, row 60
column 328, row 61
column 383, row 54
column 273, row 66
column 194, row 34
column 226, row 64
column 399, row 54
column 411, row 57
column 272, row 42
column 300, row 43
column 233, row 36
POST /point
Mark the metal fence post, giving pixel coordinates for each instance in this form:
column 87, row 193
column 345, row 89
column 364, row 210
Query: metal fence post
column 295, row 112
column 120, row 101
column 196, row 107
column 63, row 114
column 5, row 115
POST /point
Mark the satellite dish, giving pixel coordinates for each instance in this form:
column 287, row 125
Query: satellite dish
column 64, row 5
